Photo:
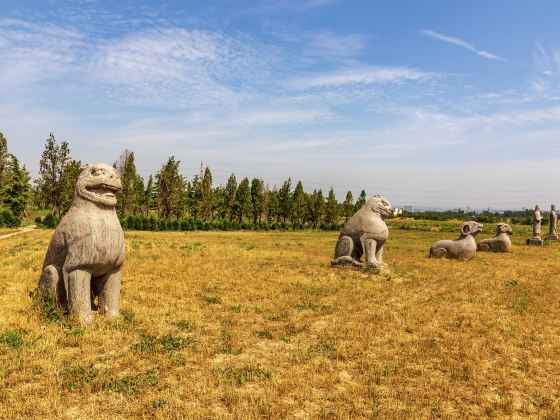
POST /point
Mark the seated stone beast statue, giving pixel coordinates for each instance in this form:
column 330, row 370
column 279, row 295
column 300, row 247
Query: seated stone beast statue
column 364, row 233
column 500, row 242
column 87, row 251
column 462, row 248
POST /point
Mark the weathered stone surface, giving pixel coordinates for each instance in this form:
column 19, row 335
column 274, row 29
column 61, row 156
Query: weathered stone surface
column 500, row 242
column 462, row 248
column 536, row 240
column 364, row 233
column 552, row 232
column 86, row 252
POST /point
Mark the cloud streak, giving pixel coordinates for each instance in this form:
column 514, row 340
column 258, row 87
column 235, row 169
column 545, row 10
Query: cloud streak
column 461, row 43
column 362, row 76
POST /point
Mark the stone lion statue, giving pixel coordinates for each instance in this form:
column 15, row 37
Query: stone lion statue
column 462, row 248
column 86, row 252
column 364, row 233
column 500, row 242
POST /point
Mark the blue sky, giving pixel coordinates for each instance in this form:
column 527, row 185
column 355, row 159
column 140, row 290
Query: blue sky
column 431, row 103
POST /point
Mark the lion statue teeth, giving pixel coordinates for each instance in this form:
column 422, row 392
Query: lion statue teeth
column 86, row 252
column 365, row 233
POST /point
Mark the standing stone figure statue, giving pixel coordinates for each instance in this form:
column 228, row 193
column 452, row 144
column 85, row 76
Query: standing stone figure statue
column 84, row 259
column 537, row 220
column 364, row 233
column 552, row 233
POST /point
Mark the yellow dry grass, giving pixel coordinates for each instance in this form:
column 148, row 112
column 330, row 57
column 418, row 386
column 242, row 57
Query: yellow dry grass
column 257, row 325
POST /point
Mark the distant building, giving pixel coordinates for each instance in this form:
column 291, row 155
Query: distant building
column 409, row 209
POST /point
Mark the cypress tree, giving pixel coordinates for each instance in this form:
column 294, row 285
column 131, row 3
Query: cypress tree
column 4, row 162
column 298, row 204
column 243, row 208
column 50, row 185
column 348, row 206
column 331, row 209
column 16, row 189
column 70, row 175
column 169, row 186
column 230, row 197
column 285, row 200
column 360, row 201
column 257, row 199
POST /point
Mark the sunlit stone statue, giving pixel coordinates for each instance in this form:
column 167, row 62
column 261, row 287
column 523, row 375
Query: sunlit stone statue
column 365, row 233
column 500, row 242
column 552, row 232
column 84, row 259
column 462, row 248
column 536, row 240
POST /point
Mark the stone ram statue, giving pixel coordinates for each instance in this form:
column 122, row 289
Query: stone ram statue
column 364, row 233
column 86, row 252
column 500, row 242
column 462, row 248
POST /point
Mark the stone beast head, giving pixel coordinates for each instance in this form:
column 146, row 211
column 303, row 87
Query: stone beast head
column 504, row 228
column 471, row 228
column 379, row 204
column 99, row 184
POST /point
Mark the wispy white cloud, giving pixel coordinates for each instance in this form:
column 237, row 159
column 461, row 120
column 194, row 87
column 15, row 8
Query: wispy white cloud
column 362, row 76
column 36, row 52
column 547, row 60
column 461, row 43
column 295, row 6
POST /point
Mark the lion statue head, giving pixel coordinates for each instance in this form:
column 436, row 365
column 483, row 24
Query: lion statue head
column 99, row 183
column 379, row 204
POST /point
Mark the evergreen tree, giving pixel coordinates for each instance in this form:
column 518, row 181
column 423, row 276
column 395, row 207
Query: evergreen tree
column 273, row 206
column 298, row 204
column 70, row 175
column 348, row 206
column 317, row 208
column 243, row 207
column 203, row 194
column 360, row 201
column 16, row 189
column 169, row 187
column 285, row 199
column 149, row 201
column 131, row 195
column 4, row 162
column 331, row 209
column 219, row 208
column 257, row 199
column 230, row 201
column 50, row 185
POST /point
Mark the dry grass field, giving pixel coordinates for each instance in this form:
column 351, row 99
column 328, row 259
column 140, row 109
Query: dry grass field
column 257, row 325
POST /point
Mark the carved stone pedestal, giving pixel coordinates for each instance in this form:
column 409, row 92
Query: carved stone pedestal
column 535, row 242
column 552, row 238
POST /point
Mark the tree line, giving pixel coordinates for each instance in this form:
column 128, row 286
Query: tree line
column 167, row 199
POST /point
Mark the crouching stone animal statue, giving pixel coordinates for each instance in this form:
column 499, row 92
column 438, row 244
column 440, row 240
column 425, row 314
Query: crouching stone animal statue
column 86, row 252
column 462, row 248
column 500, row 242
column 364, row 233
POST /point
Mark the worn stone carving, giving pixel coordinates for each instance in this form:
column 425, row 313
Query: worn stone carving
column 500, row 242
column 462, row 248
column 552, row 232
column 365, row 233
column 536, row 240
column 86, row 252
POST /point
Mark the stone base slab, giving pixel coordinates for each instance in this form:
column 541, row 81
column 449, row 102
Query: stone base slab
column 535, row 242
column 552, row 238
